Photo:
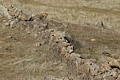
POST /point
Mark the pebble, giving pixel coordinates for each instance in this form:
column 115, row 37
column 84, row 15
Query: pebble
column 93, row 40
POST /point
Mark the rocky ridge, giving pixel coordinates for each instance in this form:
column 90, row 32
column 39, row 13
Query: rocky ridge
column 38, row 27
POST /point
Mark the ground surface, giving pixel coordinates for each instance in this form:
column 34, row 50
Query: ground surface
column 20, row 59
column 77, row 11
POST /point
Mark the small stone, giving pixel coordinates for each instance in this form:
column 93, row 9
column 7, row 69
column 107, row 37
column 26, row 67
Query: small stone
column 59, row 34
column 35, row 50
column 44, row 25
column 38, row 44
column 36, row 35
column 93, row 40
column 119, row 72
column 118, row 78
column 105, row 67
column 70, row 49
column 65, row 44
column 105, row 53
column 93, row 72
column 114, row 73
column 7, row 24
column 12, row 12
column 61, row 39
column 4, row 21
column 23, row 17
column 114, row 63
column 106, row 74
column 12, row 23
column 17, row 14
column 51, row 30
column 43, row 16
column 100, row 24
column 39, row 17
column 9, row 37
column 63, row 50
column 75, row 56
column 18, row 43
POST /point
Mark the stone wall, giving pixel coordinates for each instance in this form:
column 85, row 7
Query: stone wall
column 86, row 69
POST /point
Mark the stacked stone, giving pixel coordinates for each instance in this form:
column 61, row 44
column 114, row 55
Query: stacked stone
column 58, row 37
column 84, row 67
column 17, row 17
column 15, row 13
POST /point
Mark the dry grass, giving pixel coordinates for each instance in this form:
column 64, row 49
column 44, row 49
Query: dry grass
column 78, row 11
column 105, row 40
column 20, row 59
column 81, row 36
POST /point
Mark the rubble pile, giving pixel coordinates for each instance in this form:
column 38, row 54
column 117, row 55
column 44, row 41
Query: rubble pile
column 86, row 69
column 17, row 17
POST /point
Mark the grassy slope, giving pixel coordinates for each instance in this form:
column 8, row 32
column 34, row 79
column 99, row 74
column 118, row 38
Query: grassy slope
column 79, row 11
column 21, row 59
column 82, row 12
column 17, row 57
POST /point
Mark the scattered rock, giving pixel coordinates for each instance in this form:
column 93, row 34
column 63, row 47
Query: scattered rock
column 114, row 64
column 18, row 17
column 105, row 67
column 114, row 73
column 86, row 68
column 38, row 17
column 12, row 10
